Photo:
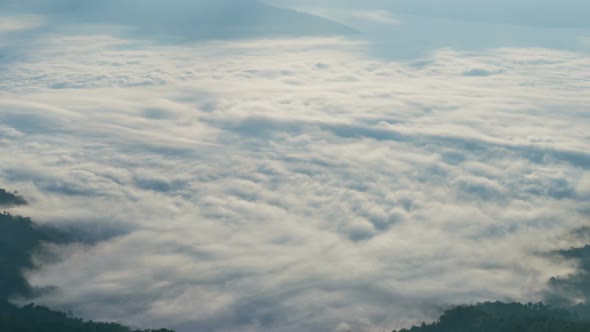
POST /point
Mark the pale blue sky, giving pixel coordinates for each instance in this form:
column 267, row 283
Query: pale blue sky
column 397, row 28
column 565, row 13
column 404, row 28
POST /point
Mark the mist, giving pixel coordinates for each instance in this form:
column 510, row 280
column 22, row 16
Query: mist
column 296, row 165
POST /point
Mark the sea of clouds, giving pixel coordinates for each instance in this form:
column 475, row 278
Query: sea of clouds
column 293, row 184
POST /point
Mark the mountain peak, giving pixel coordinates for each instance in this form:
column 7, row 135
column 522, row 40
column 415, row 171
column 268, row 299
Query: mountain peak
column 200, row 19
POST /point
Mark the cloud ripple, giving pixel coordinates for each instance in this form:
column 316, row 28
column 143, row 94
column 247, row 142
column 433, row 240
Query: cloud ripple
column 283, row 185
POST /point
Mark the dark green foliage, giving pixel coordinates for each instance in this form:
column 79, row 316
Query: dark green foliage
column 33, row 318
column 506, row 317
column 575, row 285
column 10, row 199
column 20, row 240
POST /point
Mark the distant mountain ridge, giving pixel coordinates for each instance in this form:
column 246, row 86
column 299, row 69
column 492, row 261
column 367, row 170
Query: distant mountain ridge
column 197, row 19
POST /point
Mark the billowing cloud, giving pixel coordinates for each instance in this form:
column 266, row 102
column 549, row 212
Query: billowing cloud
column 288, row 185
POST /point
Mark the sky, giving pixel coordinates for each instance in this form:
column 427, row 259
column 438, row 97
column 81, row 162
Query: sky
column 347, row 166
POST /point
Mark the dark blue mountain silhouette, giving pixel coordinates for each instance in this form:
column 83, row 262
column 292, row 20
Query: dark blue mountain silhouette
column 185, row 19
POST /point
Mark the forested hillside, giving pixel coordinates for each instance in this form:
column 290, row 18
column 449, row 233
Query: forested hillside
column 505, row 317
column 33, row 318
column 20, row 240
column 9, row 199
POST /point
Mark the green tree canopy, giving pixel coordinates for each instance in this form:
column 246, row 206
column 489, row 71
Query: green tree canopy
column 505, row 317
column 20, row 240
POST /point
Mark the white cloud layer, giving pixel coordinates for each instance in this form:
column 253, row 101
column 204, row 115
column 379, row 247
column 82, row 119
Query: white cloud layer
column 296, row 185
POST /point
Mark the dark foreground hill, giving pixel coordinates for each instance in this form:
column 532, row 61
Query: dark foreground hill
column 505, row 317
column 20, row 240
column 10, row 199
column 33, row 318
